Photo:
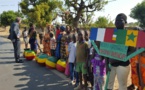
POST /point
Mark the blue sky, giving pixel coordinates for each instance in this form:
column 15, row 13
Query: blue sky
column 110, row 10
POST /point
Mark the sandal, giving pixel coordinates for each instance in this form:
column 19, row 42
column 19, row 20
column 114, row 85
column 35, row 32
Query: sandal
column 131, row 87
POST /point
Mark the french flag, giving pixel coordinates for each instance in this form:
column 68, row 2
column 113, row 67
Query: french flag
column 102, row 34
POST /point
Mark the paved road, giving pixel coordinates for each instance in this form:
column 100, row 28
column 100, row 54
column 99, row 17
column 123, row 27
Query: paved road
column 28, row 75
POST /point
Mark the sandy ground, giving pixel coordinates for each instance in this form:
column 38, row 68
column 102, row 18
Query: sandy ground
column 4, row 33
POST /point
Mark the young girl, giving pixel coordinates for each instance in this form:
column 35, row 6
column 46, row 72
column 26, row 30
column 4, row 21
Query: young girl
column 25, row 37
column 33, row 41
column 98, row 63
column 52, row 44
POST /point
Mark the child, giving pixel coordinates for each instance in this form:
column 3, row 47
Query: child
column 33, row 41
column 25, row 37
column 52, row 44
column 81, row 60
column 72, row 57
column 98, row 63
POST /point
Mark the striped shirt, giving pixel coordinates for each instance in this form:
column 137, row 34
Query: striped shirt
column 52, row 43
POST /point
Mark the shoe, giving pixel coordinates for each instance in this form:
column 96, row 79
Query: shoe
column 76, row 84
column 20, row 61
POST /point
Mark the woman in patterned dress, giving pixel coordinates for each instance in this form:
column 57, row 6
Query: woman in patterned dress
column 46, row 42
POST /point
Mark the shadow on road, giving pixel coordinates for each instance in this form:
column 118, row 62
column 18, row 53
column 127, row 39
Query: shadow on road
column 39, row 78
column 7, row 62
column 6, row 58
column 5, row 42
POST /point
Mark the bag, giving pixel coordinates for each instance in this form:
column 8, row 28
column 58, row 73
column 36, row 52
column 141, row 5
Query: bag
column 67, row 72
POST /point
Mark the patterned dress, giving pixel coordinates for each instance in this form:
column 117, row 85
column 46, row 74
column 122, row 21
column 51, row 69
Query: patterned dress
column 134, row 71
column 63, row 48
column 99, row 72
column 46, row 44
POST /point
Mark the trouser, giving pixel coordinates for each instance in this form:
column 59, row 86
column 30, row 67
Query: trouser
column 52, row 52
column 122, row 73
column 76, row 75
column 16, row 45
column 90, row 75
column 71, row 69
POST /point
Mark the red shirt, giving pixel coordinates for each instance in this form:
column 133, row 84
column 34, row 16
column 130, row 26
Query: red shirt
column 57, row 33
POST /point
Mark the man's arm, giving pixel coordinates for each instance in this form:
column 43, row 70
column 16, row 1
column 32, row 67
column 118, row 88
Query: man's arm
column 16, row 30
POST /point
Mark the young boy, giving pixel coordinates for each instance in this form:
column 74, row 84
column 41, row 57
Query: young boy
column 71, row 59
column 81, row 60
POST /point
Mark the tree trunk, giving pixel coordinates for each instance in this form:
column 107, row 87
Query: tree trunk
column 75, row 23
column 76, row 19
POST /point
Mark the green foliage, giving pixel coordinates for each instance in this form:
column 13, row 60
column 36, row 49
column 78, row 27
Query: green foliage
column 133, row 24
column 7, row 17
column 42, row 12
column 138, row 12
column 103, row 22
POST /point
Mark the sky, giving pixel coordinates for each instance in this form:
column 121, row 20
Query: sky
column 110, row 10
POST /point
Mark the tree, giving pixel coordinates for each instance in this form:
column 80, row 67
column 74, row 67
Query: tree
column 103, row 22
column 133, row 24
column 78, row 7
column 138, row 12
column 7, row 17
column 42, row 12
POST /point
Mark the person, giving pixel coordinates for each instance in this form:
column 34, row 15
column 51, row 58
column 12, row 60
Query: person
column 81, row 60
column 99, row 71
column 33, row 41
column 119, row 68
column 15, row 38
column 41, row 37
column 31, row 25
column 134, row 62
column 72, row 58
column 58, row 41
column 57, row 31
column 52, row 44
column 25, row 37
column 63, row 50
column 46, row 42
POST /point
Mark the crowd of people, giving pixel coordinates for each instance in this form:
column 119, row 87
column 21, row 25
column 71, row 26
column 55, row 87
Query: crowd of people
column 84, row 63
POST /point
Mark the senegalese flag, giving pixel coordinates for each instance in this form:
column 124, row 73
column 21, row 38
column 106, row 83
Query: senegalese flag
column 102, row 34
column 131, row 38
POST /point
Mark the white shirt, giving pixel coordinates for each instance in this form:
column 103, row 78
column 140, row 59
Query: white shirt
column 72, row 52
column 25, row 33
column 69, row 46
